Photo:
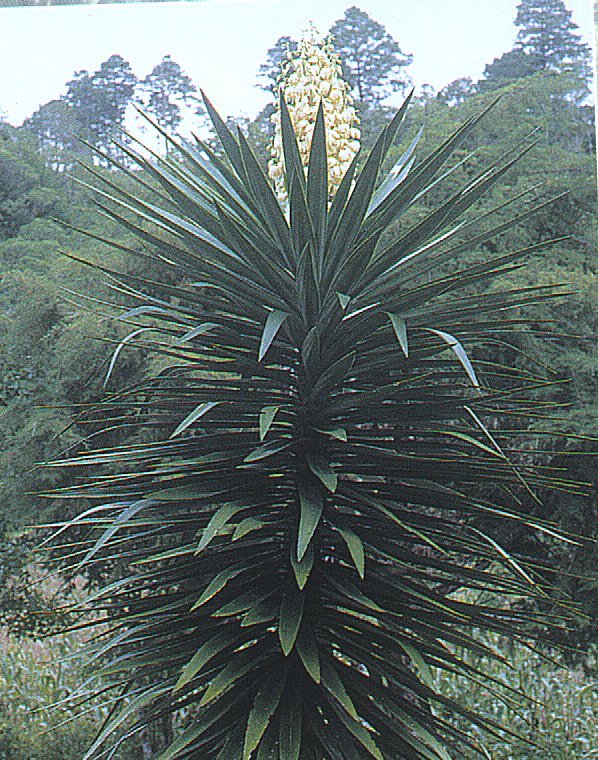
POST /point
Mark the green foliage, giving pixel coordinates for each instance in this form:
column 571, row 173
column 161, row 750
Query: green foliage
column 373, row 62
column 561, row 708
column 48, row 358
column 100, row 99
column 39, row 696
column 508, row 68
column 269, row 72
column 163, row 89
column 320, row 474
column 548, row 35
column 28, row 190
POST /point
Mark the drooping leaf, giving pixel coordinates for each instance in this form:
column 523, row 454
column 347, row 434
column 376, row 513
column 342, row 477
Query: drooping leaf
column 459, row 352
column 266, row 419
column 193, row 416
column 311, row 502
column 291, row 612
column 322, row 470
column 265, row 704
column 400, row 328
column 273, row 324
column 216, row 585
column 307, row 650
column 217, row 522
column 290, row 732
column 356, row 550
column 303, row 568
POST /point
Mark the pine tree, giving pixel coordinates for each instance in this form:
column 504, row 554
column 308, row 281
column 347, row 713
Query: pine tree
column 163, row 91
column 100, row 99
column 373, row 62
column 512, row 65
column 269, row 72
column 57, row 129
column 547, row 33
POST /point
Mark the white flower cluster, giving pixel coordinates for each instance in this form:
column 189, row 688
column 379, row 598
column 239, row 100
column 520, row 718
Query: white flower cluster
column 311, row 75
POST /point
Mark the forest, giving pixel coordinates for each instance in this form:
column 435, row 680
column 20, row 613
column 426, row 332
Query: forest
column 62, row 350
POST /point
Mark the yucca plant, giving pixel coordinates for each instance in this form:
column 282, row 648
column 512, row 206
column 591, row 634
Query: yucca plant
column 328, row 452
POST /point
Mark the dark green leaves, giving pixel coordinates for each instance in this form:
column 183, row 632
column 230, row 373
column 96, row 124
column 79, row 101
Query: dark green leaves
column 265, row 704
column 273, row 324
column 400, row 328
column 311, row 502
column 292, row 564
column 291, row 611
column 193, row 416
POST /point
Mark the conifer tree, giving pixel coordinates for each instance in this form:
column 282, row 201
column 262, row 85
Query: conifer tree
column 163, row 91
column 547, row 33
column 373, row 62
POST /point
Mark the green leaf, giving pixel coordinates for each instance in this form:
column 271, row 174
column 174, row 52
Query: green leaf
column 292, row 156
column 307, row 650
column 474, row 442
column 273, row 323
column 344, row 300
column 290, row 730
column 339, row 433
column 119, row 348
column 262, row 612
column 217, row 522
column 423, row 670
column 266, row 419
column 196, row 414
column 322, row 470
column 331, row 681
column 423, row 734
column 358, row 730
column 246, row 526
column 312, row 504
column 117, row 523
column 356, row 550
column 265, row 451
column 204, row 654
column 216, row 585
column 291, row 612
column 317, row 178
column 233, row 672
column 400, row 328
column 303, row 568
column 459, row 352
column 264, row 706
column 196, row 332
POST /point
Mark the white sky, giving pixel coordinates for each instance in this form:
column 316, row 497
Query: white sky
column 221, row 43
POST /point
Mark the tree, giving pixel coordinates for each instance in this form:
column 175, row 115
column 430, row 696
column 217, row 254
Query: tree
column 57, row 130
column 270, row 71
column 373, row 62
column 100, row 99
column 457, row 91
column 163, row 91
column 547, row 34
column 513, row 65
column 28, row 189
column 320, row 477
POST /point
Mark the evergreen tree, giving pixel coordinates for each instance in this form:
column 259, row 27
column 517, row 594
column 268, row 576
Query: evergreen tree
column 457, row 91
column 513, row 65
column 56, row 129
column 547, row 33
column 100, row 99
column 373, row 62
column 163, row 91
column 269, row 71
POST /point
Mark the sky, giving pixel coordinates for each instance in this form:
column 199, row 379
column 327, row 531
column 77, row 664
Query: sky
column 220, row 44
